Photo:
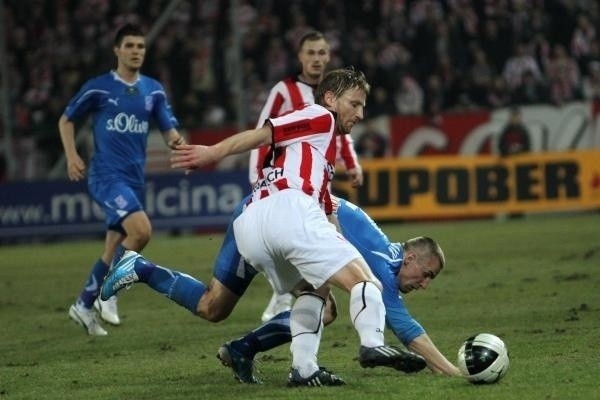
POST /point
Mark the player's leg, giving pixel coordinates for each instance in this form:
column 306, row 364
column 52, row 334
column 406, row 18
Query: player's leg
column 132, row 218
column 82, row 312
column 128, row 217
column 367, row 313
column 182, row 288
column 239, row 353
column 306, row 328
column 323, row 255
column 232, row 276
column 108, row 309
column 138, row 231
column 275, row 248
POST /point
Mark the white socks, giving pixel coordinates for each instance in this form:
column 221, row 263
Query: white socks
column 368, row 313
column 306, row 325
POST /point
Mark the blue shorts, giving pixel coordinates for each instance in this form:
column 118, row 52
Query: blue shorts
column 117, row 200
column 230, row 268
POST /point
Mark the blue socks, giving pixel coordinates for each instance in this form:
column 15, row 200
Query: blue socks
column 177, row 286
column 271, row 334
column 93, row 284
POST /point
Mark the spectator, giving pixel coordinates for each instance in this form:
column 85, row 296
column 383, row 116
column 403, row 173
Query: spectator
column 409, row 96
column 563, row 76
column 380, row 103
column 196, row 50
column 498, row 96
column 435, row 98
column 371, row 144
column 519, row 63
column 496, row 40
column 514, row 138
column 591, row 82
column 531, row 91
column 481, row 75
column 583, row 36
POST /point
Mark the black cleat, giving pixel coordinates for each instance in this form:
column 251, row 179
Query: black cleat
column 243, row 367
column 322, row 377
column 389, row 356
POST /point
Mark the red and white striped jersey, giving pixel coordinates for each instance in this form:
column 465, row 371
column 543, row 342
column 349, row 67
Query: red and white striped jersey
column 302, row 155
column 286, row 96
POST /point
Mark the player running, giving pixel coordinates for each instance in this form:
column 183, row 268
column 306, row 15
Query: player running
column 122, row 103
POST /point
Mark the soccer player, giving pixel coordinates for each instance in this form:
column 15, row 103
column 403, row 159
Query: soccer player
column 400, row 267
column 293, row 93
column 122, row 103
column 284, row 232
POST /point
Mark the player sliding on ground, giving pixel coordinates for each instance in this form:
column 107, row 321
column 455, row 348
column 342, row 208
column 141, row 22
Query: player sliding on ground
column 395, row 265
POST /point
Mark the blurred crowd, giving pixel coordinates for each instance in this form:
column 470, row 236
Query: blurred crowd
column 421, row 56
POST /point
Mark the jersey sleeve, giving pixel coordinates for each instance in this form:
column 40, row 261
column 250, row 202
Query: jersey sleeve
column 162, row 112
column 298, row 125
column 85, row 100
column 399, row 320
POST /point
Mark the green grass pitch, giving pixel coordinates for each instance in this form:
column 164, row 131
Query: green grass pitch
column 533, row 281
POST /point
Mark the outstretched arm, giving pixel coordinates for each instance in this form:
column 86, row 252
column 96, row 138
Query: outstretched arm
column 195, row 156
column 436, row 361
column 414, row 337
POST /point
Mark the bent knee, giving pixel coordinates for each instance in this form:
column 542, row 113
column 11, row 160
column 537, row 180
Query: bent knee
column 211, row 310
column 215, row 315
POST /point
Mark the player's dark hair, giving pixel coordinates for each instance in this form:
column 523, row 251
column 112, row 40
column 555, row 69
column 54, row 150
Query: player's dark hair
column 311, row 36
column 425, row 247
column 339, row 81
column 127, row 30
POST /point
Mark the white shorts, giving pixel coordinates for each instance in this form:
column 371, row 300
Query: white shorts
column 288, row 237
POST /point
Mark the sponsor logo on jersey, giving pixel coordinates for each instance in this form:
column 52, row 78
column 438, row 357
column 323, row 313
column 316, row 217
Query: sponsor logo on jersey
column 269, row 176
column 124, row 123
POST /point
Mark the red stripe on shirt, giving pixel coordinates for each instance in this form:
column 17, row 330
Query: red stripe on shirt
column 306, row 168
column 295, row 94
column 305, row 127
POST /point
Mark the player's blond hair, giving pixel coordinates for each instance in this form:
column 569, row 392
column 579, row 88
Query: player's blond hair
column 338, row 81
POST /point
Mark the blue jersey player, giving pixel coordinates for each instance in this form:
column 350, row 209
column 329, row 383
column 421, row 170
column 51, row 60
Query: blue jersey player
column 122, row 104
column 400, row 267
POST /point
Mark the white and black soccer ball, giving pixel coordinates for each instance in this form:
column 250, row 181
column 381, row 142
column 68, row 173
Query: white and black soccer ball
column 483, row 358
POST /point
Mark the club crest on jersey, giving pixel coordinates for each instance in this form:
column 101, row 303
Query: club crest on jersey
column 131, row 90
column 149, row 102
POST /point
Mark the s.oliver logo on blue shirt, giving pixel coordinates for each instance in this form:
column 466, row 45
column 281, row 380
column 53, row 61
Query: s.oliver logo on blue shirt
column 124, row 123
